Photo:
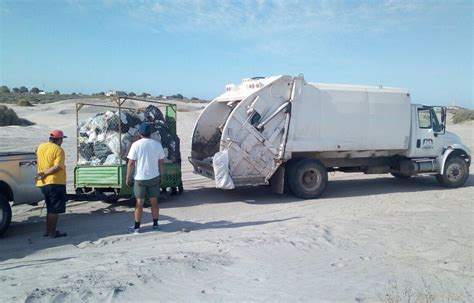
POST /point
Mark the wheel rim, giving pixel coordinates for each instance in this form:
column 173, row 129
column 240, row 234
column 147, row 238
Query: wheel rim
column 311, row 179
column 454, row 172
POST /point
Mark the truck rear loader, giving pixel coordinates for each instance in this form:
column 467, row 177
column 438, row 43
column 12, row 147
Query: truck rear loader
column 283, row 130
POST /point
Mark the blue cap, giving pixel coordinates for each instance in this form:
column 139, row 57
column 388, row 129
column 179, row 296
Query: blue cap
column 144, row 129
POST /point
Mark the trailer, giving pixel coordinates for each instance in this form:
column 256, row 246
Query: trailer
column 287, row 132
column 105, row 132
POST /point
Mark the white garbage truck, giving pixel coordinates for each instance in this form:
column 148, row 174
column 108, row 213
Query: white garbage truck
column 283, row 130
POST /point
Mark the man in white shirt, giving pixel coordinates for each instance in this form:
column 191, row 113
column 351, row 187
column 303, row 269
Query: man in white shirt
column 146, row 158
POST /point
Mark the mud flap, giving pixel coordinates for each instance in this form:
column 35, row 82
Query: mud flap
column 277, row 181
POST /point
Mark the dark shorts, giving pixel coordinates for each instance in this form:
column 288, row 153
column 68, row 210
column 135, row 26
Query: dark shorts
column 55, row 198
column 146, row 189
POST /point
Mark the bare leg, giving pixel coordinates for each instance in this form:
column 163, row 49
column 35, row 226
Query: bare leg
column 51, row 223
column 155, row 209
column 139, row 210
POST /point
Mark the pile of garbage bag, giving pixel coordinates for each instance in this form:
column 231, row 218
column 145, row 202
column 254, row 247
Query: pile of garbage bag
column 105, row 139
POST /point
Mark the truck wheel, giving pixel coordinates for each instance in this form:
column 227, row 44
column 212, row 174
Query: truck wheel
column 5, row 214
column 289, row 172
column 399, row 175
column 455, row 173
column 308, row 179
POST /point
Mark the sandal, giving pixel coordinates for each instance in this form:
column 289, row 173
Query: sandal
column 58, row 234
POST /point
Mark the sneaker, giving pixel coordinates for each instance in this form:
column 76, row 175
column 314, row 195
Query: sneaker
column 156, row 228
column 58, row 234
column 133, row 230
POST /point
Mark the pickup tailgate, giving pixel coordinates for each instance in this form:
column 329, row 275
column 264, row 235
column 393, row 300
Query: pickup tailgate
column 18, row 171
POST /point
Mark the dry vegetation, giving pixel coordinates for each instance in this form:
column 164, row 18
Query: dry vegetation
column 9, row 117
column 463, row 115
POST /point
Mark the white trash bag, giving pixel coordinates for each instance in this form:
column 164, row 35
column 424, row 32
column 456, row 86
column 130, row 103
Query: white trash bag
column 222, row 176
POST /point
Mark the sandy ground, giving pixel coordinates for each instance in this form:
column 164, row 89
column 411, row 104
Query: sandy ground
column 368, row 239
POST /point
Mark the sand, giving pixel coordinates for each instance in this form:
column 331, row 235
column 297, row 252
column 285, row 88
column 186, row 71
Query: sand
column 367, row 239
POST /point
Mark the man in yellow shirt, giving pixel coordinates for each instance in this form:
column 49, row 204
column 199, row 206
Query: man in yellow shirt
column 51, row 179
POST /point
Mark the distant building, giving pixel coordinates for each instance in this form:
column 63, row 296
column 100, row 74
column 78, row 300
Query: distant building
column 115, row 93
column 42, row 93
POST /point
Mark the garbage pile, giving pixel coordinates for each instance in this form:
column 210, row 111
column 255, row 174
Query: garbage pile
column 105, row 139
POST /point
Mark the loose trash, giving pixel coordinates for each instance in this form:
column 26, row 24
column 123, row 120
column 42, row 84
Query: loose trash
column 105, row 138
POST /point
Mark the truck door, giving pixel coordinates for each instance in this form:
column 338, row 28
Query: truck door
column 430, row 125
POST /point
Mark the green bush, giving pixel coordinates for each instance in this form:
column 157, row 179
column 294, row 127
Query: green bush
column 460, row 116
column 8, row 116
column 24, row 102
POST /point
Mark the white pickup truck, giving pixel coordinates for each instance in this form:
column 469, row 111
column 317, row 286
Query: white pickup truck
column 283, row 129
column 17, row 184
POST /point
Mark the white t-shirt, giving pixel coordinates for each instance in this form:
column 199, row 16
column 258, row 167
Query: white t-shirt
column 146, row 152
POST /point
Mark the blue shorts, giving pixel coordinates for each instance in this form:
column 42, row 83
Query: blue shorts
column 55, row 198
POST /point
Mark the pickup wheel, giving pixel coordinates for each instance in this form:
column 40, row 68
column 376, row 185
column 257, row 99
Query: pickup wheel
column 455, row 173
column 308, row 178
column 5, row 214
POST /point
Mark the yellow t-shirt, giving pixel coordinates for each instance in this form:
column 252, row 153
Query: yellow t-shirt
column 49, row 155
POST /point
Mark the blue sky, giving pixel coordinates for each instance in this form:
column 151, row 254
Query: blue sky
column 196, row 47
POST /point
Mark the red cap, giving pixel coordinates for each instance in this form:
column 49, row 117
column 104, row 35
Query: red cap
column 57, row 134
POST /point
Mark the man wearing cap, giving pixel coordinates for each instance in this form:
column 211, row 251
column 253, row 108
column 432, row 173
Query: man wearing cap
column 51, row 178
column 146, row 158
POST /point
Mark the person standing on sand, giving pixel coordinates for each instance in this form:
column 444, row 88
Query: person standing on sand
column 146, row 158
column 51, row 178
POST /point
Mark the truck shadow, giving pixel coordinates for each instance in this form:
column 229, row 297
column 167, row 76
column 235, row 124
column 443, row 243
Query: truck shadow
column 336, row 189
column 94, row 229
column 386, row 185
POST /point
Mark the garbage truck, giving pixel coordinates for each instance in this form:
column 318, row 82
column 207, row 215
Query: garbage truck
column 288, row 133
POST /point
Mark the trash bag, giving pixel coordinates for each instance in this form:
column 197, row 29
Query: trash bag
column 101, row 151
column 112, row 160
column 127, row 140
column 86, row 150
column 98, row 124
column 132, row 119
column 222, row 176
column 113, row 124
column 153, row 114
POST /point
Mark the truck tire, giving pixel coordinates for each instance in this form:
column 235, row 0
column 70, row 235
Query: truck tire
column 289, row 172
column 5, row 215
column 400, row 175
column 455, row 173
column 308, row 179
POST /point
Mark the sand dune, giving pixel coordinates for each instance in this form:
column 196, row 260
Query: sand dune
column 368, row 238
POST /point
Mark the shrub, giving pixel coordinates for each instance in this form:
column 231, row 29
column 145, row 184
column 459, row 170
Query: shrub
column 56, row 92
column 8, row 116
column 24, row 102
column 35, row 90
column 23, row 89
column 15, row 90
column 463, row 115
column 4, row 89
